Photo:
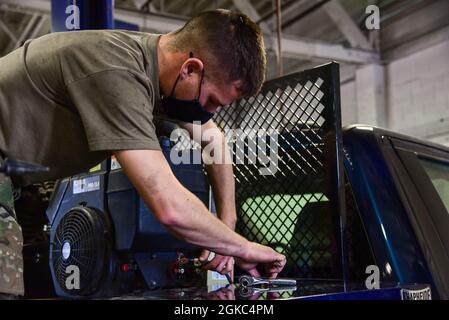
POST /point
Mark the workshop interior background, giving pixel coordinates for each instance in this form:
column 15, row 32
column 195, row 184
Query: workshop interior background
column 395, row 77
column 408, row 53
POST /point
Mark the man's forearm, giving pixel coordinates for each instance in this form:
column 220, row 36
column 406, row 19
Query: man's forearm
column 184, row 214
column 192, row 222
column 176, row 207
column 221, row 178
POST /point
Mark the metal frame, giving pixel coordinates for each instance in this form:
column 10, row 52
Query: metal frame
column 347, row 26
column 430, row 221
column 305, row 109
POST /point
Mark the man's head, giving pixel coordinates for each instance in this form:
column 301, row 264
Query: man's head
column 228, row 47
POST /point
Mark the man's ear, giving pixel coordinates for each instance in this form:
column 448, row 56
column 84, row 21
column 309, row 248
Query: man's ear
column 238, row 85
column 190, row 67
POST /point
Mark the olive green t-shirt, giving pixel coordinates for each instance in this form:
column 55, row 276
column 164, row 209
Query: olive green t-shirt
column 68, row 99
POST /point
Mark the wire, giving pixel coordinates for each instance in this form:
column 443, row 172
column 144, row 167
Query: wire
column 279, row 35
column 269, row 14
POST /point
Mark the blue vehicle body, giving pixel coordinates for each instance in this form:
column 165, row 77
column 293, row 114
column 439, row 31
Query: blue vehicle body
column 411, row 255
column 391, row 212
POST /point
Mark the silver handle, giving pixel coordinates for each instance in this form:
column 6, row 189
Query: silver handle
column 248, row 281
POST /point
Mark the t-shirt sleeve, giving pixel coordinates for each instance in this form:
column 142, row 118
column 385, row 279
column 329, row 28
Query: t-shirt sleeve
column 116, row 109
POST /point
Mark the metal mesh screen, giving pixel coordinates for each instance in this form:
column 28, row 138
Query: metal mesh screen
column 287, row 165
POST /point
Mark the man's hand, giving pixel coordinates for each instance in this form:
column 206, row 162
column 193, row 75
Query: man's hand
column 224, row 293
column 220, row 264
column 272, row 261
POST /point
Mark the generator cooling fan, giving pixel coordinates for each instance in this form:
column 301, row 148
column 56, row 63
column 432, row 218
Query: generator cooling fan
column 80, row 243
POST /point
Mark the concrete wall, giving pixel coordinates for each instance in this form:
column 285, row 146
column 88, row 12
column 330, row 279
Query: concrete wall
column 416, row 95
column 348, row 103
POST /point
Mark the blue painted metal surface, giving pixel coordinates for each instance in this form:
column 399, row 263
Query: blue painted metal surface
column 308, row 290
column 72, row 15
column 378, row 294
column 396, row 249
column 125, row 25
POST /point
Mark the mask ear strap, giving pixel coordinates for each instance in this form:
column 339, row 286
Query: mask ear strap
column 202, row 76
column 174, row 86
column 179, row 76
column 201, row 83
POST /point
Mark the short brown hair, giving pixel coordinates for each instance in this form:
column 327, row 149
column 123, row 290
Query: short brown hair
column 231, row 45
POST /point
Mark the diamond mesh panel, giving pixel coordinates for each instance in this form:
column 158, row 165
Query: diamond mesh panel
column 291, row 202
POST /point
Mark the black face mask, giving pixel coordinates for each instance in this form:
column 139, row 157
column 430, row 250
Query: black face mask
column 186, row 110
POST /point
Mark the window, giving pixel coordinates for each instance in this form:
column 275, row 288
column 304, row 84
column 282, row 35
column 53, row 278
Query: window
column 302, row 226
column 438, row 173
column 360, row 253
column 274, row 216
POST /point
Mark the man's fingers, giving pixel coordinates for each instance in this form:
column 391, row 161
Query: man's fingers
column 279, row 264
column 204, row 255
column 273, row 269
column 220, row 264
column 273, row 295
column 280, row 261
column 228, row 267
column 272, row 275
column 221, row 267
column 230, row 295
column 253, row 272
column 211, row 265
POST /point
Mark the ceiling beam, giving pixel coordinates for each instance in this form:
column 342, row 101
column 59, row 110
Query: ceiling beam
column 216, row 4
column 149, row 21
column 246, row 7
column 37, row 30
column 291, row 47
column 139, row 3
column 41, row 5
column 309, row 49
column 25, row 33
column 6, row 30
column 346, row 24
column 286, row 13
column 171, row 6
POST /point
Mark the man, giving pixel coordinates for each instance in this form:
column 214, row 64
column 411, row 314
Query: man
column 70, row 100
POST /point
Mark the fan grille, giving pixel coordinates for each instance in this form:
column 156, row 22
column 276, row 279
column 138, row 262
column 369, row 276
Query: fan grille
column 79, row 241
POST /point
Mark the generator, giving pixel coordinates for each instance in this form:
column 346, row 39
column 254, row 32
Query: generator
column 104, row 240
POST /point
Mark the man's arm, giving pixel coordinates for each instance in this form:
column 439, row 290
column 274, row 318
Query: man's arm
column 221, row 175
column 174, row 206
column 221, row 178
column 185, row 215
